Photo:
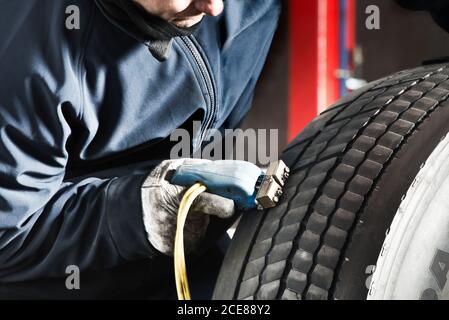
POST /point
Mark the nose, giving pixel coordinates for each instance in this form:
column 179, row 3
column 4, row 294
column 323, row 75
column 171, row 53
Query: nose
column 209, row 7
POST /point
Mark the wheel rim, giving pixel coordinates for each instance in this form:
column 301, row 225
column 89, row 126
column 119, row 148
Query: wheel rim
column 414, row 260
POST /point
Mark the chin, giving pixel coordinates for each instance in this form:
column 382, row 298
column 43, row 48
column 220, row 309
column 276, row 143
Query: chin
column 187, row 23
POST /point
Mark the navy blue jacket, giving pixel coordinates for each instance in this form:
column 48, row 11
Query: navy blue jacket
column 76, row 102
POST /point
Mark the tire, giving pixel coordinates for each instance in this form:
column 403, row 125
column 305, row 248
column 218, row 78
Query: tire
column 351, row 169
column 414, row 259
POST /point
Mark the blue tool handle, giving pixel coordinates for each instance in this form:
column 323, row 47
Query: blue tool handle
column 235, row 180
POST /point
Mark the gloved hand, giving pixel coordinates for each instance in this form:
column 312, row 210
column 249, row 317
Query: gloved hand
column 161, row 200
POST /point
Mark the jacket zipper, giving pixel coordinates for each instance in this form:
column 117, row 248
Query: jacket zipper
column 191, row 45
column 210, row 86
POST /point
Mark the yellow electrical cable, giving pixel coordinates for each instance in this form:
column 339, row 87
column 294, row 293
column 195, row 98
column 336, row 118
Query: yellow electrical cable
column 182, row 283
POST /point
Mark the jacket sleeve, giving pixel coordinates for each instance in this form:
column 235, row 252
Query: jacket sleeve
column 47, row 224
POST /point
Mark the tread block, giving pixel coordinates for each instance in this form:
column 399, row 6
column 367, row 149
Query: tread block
column 326, row 135
column 364, row 143
column 260, row 249
column 444, row 71
column 325, row 205
column 402, row 74
column 295, row 215
column 268, row 230
column 303, row 198
column 354, row 108
column 391, row 140
column 359, row 116
column 277, row 212
column 287, row 233
column 400, row 105
column 360, row 185
column 438, row 78
column 312, row 182
column 438, row 94
column 323, row 166
column 354, row 157
column 290, row 156
column 370, row 169
column 420, row 75
column 387, row 117
column 302, row 261
column 317, row 223
column 413, row 115
column 322, row 277
column 343, row 172
column 328, row 257
column 375, row 91
column 375, row 130
column 335, row 237
column 397, row 89
column 334, row 189
column 338, row 124
column 333, row 150
column 279, row 252
column 309, row 241
column 312, row 129
column 290, row 295
column 314, row 149
column 296, row 281
column 380, row 154
column 268, row 291
column 343, row 219
column 409, row 96
column 305, row 162
column 248, row 288
column 444, row 84
column 344, row 137
column 424, row 86
column 254, row 268
column 316, row 293
column 388, row 83
column 425, row 104
column 379, row 103
column 402, row 127
column 358, row 124
column 273, row 271
column 351, row 201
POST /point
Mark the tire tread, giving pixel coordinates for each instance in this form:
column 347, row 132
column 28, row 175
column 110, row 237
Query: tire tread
column 335, row 163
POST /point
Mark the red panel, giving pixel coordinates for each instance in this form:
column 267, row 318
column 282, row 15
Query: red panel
column 351, row 23
column 314, row 60
column 303, row 64
column 333, row 54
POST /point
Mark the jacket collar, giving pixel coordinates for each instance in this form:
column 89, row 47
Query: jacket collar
column 156, row 33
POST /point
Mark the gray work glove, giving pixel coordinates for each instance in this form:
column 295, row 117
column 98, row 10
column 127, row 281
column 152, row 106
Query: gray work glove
column 161, row 200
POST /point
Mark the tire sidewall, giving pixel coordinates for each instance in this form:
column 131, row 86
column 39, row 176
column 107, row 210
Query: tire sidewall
column 381, row 207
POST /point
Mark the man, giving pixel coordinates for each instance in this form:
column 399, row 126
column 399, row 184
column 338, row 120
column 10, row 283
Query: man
column 85, row 121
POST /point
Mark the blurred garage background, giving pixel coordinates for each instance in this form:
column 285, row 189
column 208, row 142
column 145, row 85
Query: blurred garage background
column 323, row 49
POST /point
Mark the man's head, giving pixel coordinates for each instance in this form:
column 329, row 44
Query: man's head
column 182, row 13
